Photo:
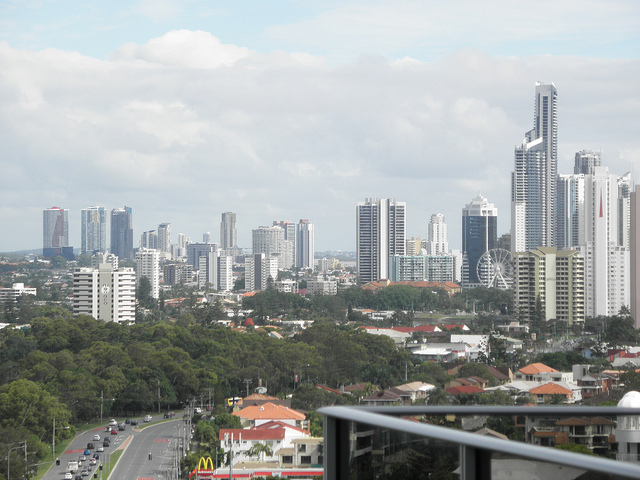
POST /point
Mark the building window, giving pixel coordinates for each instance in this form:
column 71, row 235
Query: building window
column 302, row 447
column 305, row 459
column 287, row 459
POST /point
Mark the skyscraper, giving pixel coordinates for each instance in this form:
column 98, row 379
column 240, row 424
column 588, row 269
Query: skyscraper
column 437, row 243
column 570, row 211
column 533, row 180
column 122, row 233
column 55, row 228
column 94, row 230
column 479, row 235
column 148, row 265
column 228, row 232
column 380, row 233
column 164, row 237
column 271, row 241
column 634, row 242
column 304, row 244
column 585, row 161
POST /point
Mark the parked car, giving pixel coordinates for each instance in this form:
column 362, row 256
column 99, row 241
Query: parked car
column 96, row 438
column 147, row 418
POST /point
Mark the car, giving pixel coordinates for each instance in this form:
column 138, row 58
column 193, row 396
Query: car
column 78, row 477
column 100, row 449
column 96, row 438
column 114, row 432
column 91, row 446
column 87, row 452
column 68, row 476
column 147, row 418
column 121, row 426
column 105, row 444
column 93, row 461
column 112, row 422
column 134, row 422
column 82, row 458
column 85, row 472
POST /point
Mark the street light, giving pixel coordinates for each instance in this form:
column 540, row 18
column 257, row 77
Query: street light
column 53, row 438
column 9, row 455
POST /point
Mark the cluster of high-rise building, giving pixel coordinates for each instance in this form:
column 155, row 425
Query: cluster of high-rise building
column 571, row 251
column 102, row 290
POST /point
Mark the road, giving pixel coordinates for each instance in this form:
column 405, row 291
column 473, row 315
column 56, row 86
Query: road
column 160, row 439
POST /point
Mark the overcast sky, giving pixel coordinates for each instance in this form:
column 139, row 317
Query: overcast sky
column 283, row 110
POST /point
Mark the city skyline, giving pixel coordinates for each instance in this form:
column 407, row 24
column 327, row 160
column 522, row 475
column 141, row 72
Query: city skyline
column 297, row 114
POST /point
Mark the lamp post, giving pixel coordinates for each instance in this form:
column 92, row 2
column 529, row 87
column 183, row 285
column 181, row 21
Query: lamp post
column 53, row 438
column 9, row 455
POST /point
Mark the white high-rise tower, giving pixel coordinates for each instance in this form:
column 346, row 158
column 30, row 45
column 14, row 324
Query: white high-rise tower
column 437, row 243
column 380, row 233
column 533, row 180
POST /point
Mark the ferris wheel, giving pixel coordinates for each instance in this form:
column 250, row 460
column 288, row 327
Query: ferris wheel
column 495, row 269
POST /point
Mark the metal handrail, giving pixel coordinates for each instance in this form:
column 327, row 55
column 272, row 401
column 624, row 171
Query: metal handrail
column 383, row 417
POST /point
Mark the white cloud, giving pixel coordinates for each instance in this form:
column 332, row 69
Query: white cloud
column 185, row 127
column 183, row 48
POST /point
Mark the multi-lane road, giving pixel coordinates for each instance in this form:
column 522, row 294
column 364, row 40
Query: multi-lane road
column 149, row 452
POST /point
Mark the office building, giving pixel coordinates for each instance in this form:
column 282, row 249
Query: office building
column 380, row 233
column 55, row 231
column 437, row 243
column 405, row 268
column 586, row 161
column 304, row 241
column 552, row 279
column 149, row 240
column 105, row 294
column 479, row 235
column 122, row 233
column 197, row 250
column 177, row 273
column 228, row 232
column 104, row 257
column 11, row 294
column 148, row 265
column 533, row 180
column 164, row 238
column 440, row 268
column 259, row 271
column 414, row 246
column 93, row 234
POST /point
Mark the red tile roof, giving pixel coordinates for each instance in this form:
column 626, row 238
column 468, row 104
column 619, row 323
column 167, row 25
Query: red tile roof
column 269, row 411
column 464, row 389
column 536, row 368
column 551, row 389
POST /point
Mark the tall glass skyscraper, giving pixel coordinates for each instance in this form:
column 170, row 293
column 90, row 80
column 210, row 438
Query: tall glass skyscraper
column 122, row 233
column 533, row 180
column 479, row 235
column 93, row 230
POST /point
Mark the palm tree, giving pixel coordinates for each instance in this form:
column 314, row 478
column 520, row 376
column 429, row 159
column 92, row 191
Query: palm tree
column 260, row 450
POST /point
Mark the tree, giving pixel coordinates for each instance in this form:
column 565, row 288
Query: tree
column 143, row 293
column 259, row 450
column 59, row 262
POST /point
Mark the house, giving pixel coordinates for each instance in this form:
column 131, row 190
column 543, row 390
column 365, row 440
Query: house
column 256, row 415
column 260, row 399
column 547, row 393
column 596, row 433
column 383, row 398
column 464, row 390
column 530, row 372
column 414, row 391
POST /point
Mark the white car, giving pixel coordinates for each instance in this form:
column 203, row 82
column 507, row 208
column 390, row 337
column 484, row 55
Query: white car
column 100, row 449
column 68, row 476
column 96, row 438
column 113, row 423
column 147, row 418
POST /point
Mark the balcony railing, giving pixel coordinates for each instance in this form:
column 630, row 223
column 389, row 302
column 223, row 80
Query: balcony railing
column 372, row 443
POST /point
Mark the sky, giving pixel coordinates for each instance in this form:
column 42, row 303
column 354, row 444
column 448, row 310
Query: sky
column 299, row 109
